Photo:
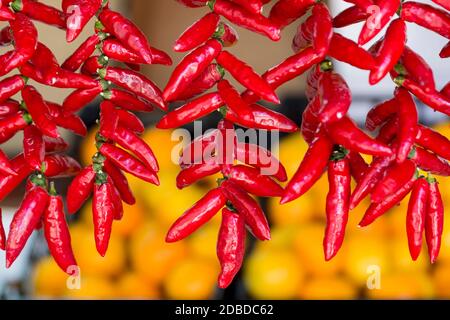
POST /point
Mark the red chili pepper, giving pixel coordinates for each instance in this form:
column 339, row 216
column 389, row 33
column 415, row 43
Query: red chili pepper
column 335, row 97
column 345, row 50
column 193, row 3
column 445, row 52
column 311, row 168
column 310, row 120
column 127, row 100
column 234, row 102
column 434, row 141
column 67, row 121
column 57, row 234
column 361, row 3
column 2, row 233
column 33, row 147
column 418, row 69
column 203, row 211
column 10, row 86
column 130, row 120
column 109, row 120
column 83, row 52
column 226, row 145
column 226, row 34
column 350, row 16
column 78, row 13
column 40, row 12
column 196, row 172
column 358, row 166
column 381, row 113
column 198, row 33
column 60, row 166
column 104, row 211
column 210, row 77
column 136, row 83
column 9, row 182
column 427, row 16
column 230, row 246
column 80, row 98
column 245, row 75
column 120, row 182
column 194, row 151
column 304, row 36
column 5, row 165
column 429, row 162
column 9, row 126
column 434, row 220
column 9, row 108
column 252, row 181
column 379, row 18
column 124, row 30
column 5, row 36
column 6, row 14
column 415, row 219
column 128, row 163
column 337, row 207
column 55, row 144
column 190, row 68
column 284, row 12
column 241, row 17
column 390, row 51
column 253, row 6
column 388, row 131
column 408, row 122
column 80, row 189
column 322, row 31
column 117, row 200
column 91, row 66
column 378, row 209
column 444, row 3
column 191, row 111
column 25, row 221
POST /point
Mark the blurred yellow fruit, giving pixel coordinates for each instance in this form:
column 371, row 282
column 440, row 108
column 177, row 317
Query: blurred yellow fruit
column 441, row 279
column 48, row 279
column 151, row 257
column 273, row 274
column 295, row 212
column 163, row 147
column 93, row 287
column 328, row 288
column 131, row 286
column 403, row 285
column 443, row 128
column 133, row 216
column 291, row 151
column 401, row 258
column 379, row 227
column 87, row 147
column 192, row 279
column 281, row 238
column 444, row 255
column 203, row 242
column 90, row 261
column 308, row 244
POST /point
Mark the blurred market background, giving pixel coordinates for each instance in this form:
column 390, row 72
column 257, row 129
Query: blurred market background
column 139, row 265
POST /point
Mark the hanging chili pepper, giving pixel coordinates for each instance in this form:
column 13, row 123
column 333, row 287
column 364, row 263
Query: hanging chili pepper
column 67, row 121
column 427, row 16
column 6, row 14
column 358, row 166
column 196, row 172
column 80, row 98
column 434, row 141
column 245, row 75
column 116, row 200
column 252, row 181
column 284, row 12
column 345, row 50
column 193, row 153
column 445, row 52
column 124, row 30
column 197, row 216
column 131, row 121
column 430, row 162
column 226, row 34
column 434, row 220
column 5, row 165
column 361, row 3
column 120, row 182
column 55, row 144
column 40, row 12
column 376, row 22
column 60, row 166
column 350, row 16
column 5, row 36
column 311, row 168
column 241, row 17
column 233, row 101
column 335, row 97
column 193, row 3
column 9, row 126
column 2, row 233
column 253, row 6
column 198, row 33
column 10, row 182
column 57, row 232
column 408, row 122
column 33, row 147
column 210, row 77
column 80, row 189
column 25, row 221
column 226, row 145
column 381, row 113
column 103, row 210
column 418, row 69
column 9, row 108
column 78, row 13
column 83, row 52
column 127, row 100
column 310, row 120
column 10, row 86
column 230, row 246
column 322, row 31
column 415, row 219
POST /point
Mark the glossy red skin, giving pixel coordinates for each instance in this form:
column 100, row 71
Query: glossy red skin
column 191, row 111
column 57, row 234
column 190, row 68
column 312, row 82
column 418, row 69
column 310, row 120
column 376, row 210
column 415, row 219
column 322, row 32
column 5, row 165
column 287, row 70
column 9, row 182
column 2, row 233
column 264, row 118
column 381, row 113
column 81, row 11
column 444, row 3
column 234, row 102
column 127, row 100
column 193, row 3
column 337, row 206
column 229, row 36
column 109, row 119
column 427, row 16
column 434, row 100
column 116, row 200
column 80, row 189
column 67, row 121
column 390, row 51
column 284, row 12
column 120, row 181
column 198, row 33
column 408, row 123
column 387, row 9
column 6, row 14
column 358, row 166
column 241, row 17
column 252, row 181
column 388, row 131
column 9, row 126
column 33, row 147
column 434, row 221
column 311, row 168
column 346, row 133
column 446, row 90
column 335, row 97
column 55, row 145
column 227, row 138
column 9, row 108
column 80, row 98
column 199, row 214
column 431, row 163
column 445, row 52
column 433, row 141
column 81, row 54
column 396, row 176
column 24, row 222
column 193, row 153
column 5, row 36
column 253, row 215
column 350, row 16
column 196, row 172
column 345, row 50
column 10, row 86
column 252, row 6
column 115, row 50
column 128, row 163
column 103, row 210
column 208, row 79
column 131, row 121
column 41, row 12
column 230, row 246
column 136, row 83
column 246, row 76
column 91, row 66
column 304, row 36
column 361, row 3
column 60, row 166
column 45, row 63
